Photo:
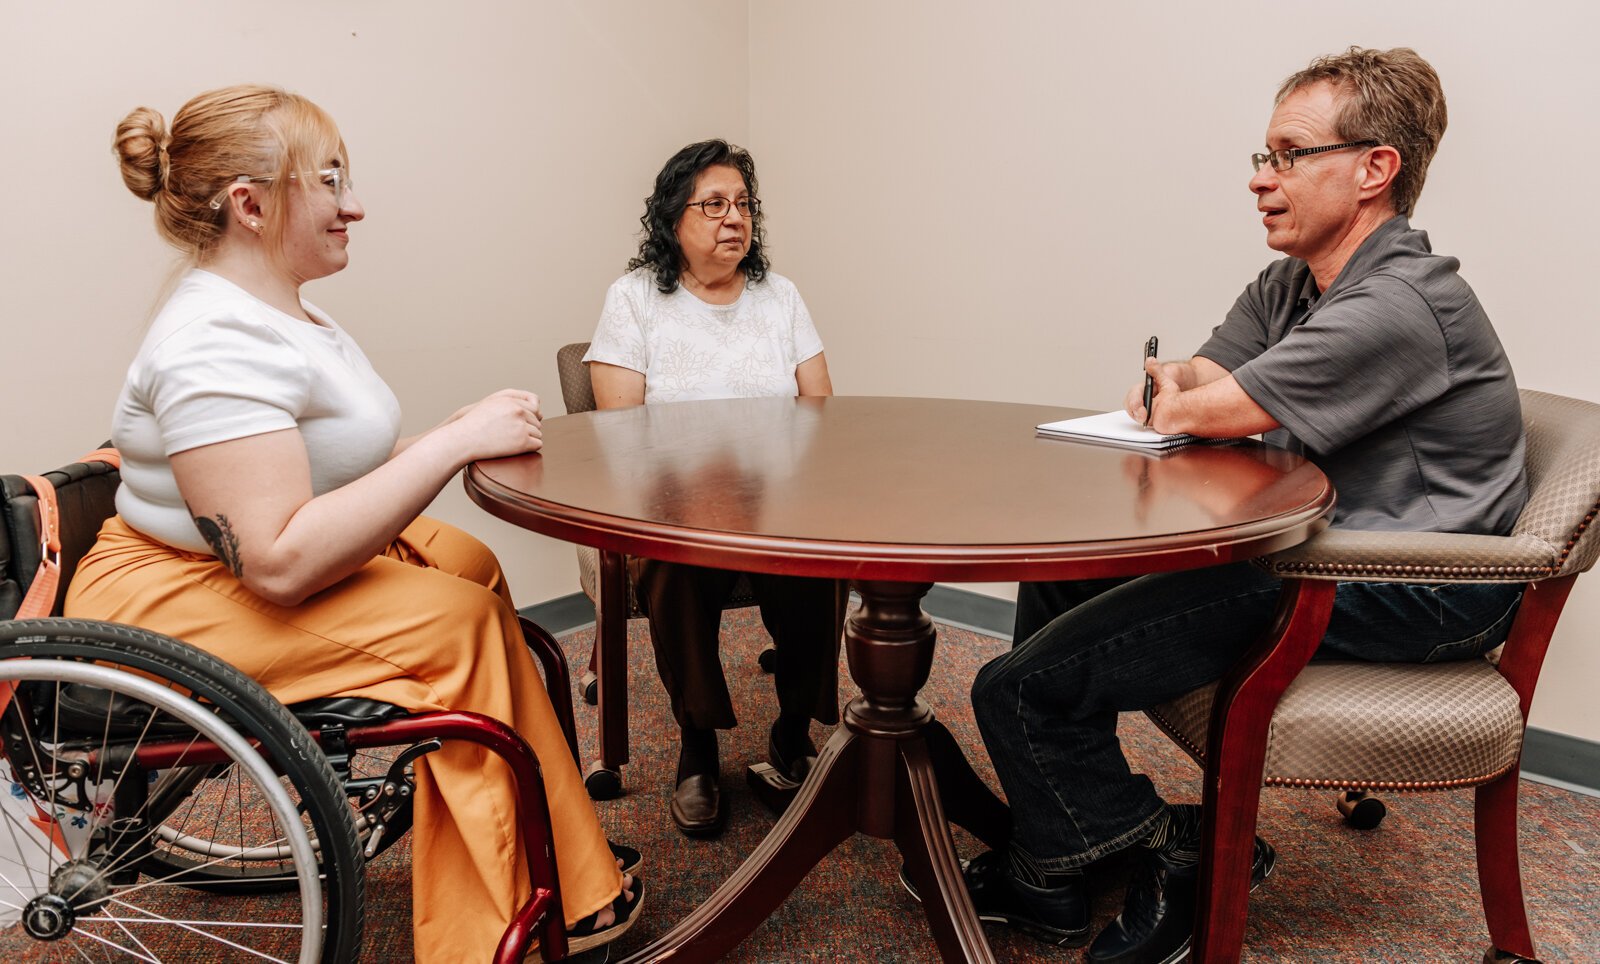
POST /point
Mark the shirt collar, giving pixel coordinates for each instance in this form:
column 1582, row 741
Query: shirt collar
column 1373, row 251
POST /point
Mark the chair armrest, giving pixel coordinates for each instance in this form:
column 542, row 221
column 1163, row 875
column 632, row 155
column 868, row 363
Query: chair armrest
column 1420, row 557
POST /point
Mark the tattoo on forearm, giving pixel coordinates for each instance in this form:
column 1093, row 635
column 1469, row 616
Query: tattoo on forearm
column 218, row 534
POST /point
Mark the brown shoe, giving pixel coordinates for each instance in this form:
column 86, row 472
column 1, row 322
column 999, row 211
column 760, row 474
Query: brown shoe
column 697, row 806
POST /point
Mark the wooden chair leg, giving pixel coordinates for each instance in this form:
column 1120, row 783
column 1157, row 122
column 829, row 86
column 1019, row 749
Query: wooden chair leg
column 604, row 778
column 1499, row 868
column 1236, row 754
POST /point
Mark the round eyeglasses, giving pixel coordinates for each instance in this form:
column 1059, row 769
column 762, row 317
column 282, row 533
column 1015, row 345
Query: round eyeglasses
column 1283, row 158
column 335, row 179
column 717, row 208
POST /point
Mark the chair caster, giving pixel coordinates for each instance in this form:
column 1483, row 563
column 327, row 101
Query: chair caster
column 768, row 660
column 589, row 688
column 1495, row 955
column 1361, row 811
column 601, row 783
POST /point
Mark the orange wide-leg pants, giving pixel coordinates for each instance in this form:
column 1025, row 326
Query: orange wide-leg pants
column 427, row 626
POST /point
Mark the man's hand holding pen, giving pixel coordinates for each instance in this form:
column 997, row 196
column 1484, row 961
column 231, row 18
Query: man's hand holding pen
column 1163, row 381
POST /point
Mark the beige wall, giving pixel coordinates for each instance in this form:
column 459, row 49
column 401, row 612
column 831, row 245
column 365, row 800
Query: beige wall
column 1004, row 200
column 978, row 202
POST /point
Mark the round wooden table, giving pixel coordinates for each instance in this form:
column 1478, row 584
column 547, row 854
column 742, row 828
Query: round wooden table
column 893, row 494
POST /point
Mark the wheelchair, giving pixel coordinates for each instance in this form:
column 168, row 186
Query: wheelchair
column 148, row 785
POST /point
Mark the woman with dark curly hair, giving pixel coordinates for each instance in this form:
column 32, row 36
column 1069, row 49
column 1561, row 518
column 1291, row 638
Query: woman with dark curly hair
column 699, row 315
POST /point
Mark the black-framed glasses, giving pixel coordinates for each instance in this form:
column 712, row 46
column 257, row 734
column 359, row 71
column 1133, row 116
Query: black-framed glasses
column 1283, row 158
column 717, row 208
column 336, row 179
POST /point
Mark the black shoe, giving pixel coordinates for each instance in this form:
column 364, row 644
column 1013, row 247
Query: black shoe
column 1055, row 915
column 697, row 806
column 1156, row 925
column 797, row 762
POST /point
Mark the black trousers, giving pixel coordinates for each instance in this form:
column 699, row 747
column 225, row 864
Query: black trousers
column 805, row 618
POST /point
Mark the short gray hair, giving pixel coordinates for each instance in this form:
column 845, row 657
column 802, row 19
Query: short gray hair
column 1390, row 96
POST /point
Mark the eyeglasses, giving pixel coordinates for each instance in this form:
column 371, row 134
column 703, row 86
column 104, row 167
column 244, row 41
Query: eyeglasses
column 336, row 179
column 716, row 208
column 1283, row 159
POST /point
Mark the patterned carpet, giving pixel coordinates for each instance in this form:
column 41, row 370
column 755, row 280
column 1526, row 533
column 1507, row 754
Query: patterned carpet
column 1405, row 892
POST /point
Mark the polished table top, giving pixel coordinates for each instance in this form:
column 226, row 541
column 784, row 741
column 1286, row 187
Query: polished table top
column 913, row 489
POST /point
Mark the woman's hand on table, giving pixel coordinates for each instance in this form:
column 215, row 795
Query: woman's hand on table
column 505, row 423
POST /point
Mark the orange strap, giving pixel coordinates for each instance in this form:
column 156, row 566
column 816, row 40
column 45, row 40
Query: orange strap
column 41, row 598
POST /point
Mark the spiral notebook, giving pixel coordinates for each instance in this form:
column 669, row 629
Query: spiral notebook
column 1112, row 428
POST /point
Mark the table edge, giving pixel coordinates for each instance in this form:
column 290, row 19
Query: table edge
column 898, row 561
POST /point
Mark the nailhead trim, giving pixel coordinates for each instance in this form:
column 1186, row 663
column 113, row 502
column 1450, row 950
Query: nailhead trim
column 1397, row 786
column 1376, row 569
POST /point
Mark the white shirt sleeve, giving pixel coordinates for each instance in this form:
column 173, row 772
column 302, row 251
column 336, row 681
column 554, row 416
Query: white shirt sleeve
column 802, row 332
column 619, row 338
column 224, row 378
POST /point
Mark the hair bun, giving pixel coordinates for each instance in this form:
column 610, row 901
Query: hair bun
column 140, row 146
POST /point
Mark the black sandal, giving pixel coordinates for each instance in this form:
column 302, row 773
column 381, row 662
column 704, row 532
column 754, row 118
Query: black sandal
column 582, row 936
column 631, row 859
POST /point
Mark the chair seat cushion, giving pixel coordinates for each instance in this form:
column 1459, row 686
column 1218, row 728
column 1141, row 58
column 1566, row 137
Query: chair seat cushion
column 1386, row 726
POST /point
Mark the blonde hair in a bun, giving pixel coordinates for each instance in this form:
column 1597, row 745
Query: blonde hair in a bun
column 215, row 137
column 140, row 139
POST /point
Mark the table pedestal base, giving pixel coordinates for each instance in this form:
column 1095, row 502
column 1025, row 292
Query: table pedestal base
column 891, row 771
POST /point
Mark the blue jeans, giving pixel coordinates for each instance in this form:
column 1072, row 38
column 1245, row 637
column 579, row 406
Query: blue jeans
column 1088, row 650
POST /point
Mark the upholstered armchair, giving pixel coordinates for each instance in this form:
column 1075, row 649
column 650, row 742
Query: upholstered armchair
column 1359, row 727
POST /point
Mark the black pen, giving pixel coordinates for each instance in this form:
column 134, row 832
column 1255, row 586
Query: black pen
column 1149, row 380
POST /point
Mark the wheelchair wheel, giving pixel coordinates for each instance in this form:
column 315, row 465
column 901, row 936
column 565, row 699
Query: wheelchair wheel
column 95, row 719
column 205, row 834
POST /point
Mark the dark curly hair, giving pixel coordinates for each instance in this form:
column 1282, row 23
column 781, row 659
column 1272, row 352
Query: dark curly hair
column 659, row 249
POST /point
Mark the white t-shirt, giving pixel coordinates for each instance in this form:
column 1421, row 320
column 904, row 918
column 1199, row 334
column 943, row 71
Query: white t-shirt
column 687, row 349
column 219, row 364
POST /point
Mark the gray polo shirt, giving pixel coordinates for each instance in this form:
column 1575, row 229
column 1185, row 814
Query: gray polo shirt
column 1392, row 381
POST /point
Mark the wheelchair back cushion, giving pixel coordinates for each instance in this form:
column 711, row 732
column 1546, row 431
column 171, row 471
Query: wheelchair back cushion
column 86, row 493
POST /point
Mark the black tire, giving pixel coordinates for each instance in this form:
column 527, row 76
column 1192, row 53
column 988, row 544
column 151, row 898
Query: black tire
column 252, row 712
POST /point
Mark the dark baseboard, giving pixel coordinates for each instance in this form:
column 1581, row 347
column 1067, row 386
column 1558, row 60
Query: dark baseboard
column 1558, row 756
column 1555, row 756
column 562, row 614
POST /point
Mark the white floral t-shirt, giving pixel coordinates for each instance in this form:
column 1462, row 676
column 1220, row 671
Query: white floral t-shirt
column 687, row 349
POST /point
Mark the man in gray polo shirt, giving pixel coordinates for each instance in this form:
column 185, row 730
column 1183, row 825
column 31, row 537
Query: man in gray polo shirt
column 1368, row 353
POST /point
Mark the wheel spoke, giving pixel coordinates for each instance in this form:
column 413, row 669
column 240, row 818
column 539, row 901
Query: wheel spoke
column 111, row 944
column 187, row 870
column 38, row 767
column 154, row 918
column 133, row 938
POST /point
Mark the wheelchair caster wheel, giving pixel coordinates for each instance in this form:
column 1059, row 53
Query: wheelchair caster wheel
column 601, row 783
column 768, row 660
column 1361, row 811
column 589, row 687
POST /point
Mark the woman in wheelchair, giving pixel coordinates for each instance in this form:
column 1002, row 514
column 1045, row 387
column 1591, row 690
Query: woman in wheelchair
column 269, row 510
